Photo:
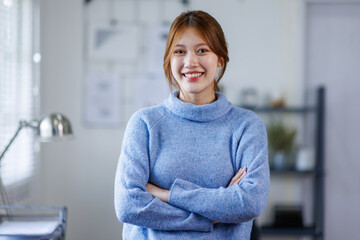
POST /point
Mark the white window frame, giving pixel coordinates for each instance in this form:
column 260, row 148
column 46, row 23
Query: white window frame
column 19, row 92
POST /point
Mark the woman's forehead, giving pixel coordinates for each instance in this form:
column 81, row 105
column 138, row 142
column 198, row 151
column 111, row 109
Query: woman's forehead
column 190, row 34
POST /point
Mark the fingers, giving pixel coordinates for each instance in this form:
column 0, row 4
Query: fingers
column 238, row 176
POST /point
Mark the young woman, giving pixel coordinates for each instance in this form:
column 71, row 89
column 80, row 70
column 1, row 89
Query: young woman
column 194, row 167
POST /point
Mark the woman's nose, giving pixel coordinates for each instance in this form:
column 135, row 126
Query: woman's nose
column 191, row 60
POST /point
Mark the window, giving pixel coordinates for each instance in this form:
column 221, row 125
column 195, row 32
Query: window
column 18, row 86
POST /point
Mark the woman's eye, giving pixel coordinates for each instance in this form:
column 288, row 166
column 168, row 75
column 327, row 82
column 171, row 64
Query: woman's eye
column 202, row 50
column 179, row 51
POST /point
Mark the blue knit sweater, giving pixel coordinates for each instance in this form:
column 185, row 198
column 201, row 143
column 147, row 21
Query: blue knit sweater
column 193, row 151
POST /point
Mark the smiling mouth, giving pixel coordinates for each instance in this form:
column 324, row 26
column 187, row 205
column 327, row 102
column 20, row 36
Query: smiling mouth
column 192, row 75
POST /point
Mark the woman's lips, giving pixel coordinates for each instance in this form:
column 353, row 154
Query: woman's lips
column 192, row 76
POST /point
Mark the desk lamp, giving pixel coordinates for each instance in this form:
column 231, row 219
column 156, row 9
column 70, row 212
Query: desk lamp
column 51, row 128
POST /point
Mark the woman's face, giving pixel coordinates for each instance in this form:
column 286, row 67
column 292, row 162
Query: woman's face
column 193, row 66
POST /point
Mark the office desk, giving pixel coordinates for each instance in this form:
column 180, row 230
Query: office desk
column 32, row 222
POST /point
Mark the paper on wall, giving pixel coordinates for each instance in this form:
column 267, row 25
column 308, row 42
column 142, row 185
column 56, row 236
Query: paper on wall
column 102, row 99
column 149, row 90
column 156, row 43
column 113, row 42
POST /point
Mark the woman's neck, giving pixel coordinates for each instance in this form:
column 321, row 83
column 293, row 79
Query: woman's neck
column 198, row 98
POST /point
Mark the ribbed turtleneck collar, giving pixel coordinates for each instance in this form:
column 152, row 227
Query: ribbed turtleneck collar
column 199, row 113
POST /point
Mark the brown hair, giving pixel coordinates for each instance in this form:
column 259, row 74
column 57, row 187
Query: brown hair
column 211, row 32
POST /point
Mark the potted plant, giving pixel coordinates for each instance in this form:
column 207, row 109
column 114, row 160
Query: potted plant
column 281, row 144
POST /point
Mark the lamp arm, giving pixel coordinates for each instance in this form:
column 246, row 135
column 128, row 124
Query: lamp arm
column 22, row 124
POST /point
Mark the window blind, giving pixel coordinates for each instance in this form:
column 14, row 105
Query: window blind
column 17, row 85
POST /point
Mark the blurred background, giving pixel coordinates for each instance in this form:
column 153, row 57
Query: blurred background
column 98, row 61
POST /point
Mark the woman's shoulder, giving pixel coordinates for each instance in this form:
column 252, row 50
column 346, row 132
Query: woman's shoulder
column 243, row 114
column 148, row 115
column 241, row 118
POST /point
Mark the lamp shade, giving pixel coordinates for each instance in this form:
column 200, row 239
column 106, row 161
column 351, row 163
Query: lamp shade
column 54, row 127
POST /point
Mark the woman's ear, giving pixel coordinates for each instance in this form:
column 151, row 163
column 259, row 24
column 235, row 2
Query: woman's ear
column 221, row 62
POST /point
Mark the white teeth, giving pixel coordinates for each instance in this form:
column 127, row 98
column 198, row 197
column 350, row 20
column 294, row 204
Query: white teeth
column 193, row 75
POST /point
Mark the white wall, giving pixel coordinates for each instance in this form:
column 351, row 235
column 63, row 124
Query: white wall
column 78, row 173
column 264, row 39
column 333, row 60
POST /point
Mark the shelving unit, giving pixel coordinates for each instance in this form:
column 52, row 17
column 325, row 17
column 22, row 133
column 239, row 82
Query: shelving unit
column 317, row 173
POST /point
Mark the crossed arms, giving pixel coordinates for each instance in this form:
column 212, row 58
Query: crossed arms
column 187, row 206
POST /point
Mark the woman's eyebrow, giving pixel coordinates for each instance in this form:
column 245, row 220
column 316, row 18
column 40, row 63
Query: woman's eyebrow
column 197, row 45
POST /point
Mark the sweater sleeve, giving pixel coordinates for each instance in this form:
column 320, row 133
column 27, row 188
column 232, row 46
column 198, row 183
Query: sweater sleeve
column 133, row 204
column 240, row 202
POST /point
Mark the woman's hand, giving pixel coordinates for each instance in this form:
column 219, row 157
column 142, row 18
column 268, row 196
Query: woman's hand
column 238, row 177
column 157, row 192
